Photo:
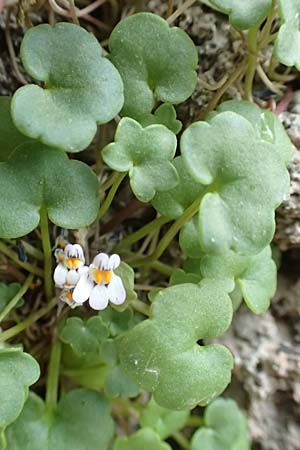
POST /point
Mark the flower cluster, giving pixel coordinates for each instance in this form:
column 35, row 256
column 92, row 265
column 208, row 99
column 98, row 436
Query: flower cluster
column 97, row 283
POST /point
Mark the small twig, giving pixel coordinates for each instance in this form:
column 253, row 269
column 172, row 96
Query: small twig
column 268, row 83
column 11, row 51
column 215, row 86
column 180, row 10
column 14, row 301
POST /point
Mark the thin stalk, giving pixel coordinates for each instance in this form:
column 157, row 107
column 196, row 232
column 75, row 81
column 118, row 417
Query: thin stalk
column 13, row 331
column 195, row 421
column 53, row 376
column 220, row 92
column 180, row 10
column 252, row 62
column 111, row 194
column 30, row 249
column 48, row 283
column 163, row 268
column 13, row 302
column 171, row 233
column 25, row 265
column 181, row 440
column 141, row 307
column 142, row 232
column 266, row 31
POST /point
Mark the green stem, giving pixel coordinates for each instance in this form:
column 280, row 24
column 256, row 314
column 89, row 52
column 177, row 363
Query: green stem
column 265, row 33
column 181, row 440
column 48, row 283
column 141, row 307
column 111, row 194
column 25, row 265
column 162, row 268
column 195, row 421
column 13, row 302
column 53, row 376
column 220, row 92
column 32, row 251
column 142, row 232
column 171, row 233
column 13, row 331
column 252, row 62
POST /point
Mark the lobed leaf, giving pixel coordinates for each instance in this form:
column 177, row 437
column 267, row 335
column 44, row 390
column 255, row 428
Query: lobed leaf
column 118, row 384
column 244, row 14
column 163, row 421
column 156, row 62
column 81, row 421
column 144, row 438
column 37, row 177
column 225, row 156
column 165, row 114
column 146, row 153
column 225, row 428
column 172, row 203
column 161, row 354
column 64, row 113
column 287, row 46
column 18, row 371
column 84, row 336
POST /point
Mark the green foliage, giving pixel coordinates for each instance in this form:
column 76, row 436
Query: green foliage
column 81, row 88
column 118, row 384
column 10, row 137
column 162, row 355
column 7, row 293
column 84, row 336
column 225, row 428
column 173, row 202
column 163, row 421
column 151, row 71
column 145, row 438
column 244, row 14
column 18, row 371
column 38, row 177
column 225, row 156
column 81, row 421
column 147, row 154
column 287, row 48
column 266, row 124
column 165, row 114
column 254, row 275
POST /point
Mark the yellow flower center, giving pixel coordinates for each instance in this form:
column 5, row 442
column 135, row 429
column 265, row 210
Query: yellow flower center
column 102, row 276
column 69, row 295
column 73, row 263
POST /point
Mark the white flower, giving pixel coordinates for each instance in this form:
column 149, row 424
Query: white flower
column 100, row 284
column 70, row 266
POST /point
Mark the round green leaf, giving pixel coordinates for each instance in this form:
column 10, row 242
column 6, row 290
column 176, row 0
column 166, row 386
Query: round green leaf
column 38, row 177
column 255, row 275
column 118, row 384
column 225, row 428
column 81, row 421
column 118, row 322
column 142, row 439
column 161, row 354
column 244, row 14
column 10, row 137
column 173, row 202
column 189, row 238
column 18, row 371
column 245, row 181
column 165, row 114
column 164, row 421
column 266, row 124
column 84, row 336
column 81, row 87
column 147, row 154
column 287, row 46
column 156, row 62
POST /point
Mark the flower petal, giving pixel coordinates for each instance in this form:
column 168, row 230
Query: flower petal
column 72, row 277
column 116, row 290
column 83, row 289
column 60, row 275
column 74, row 251
column 101, row 261
column 99, row 297
column 114, row 262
